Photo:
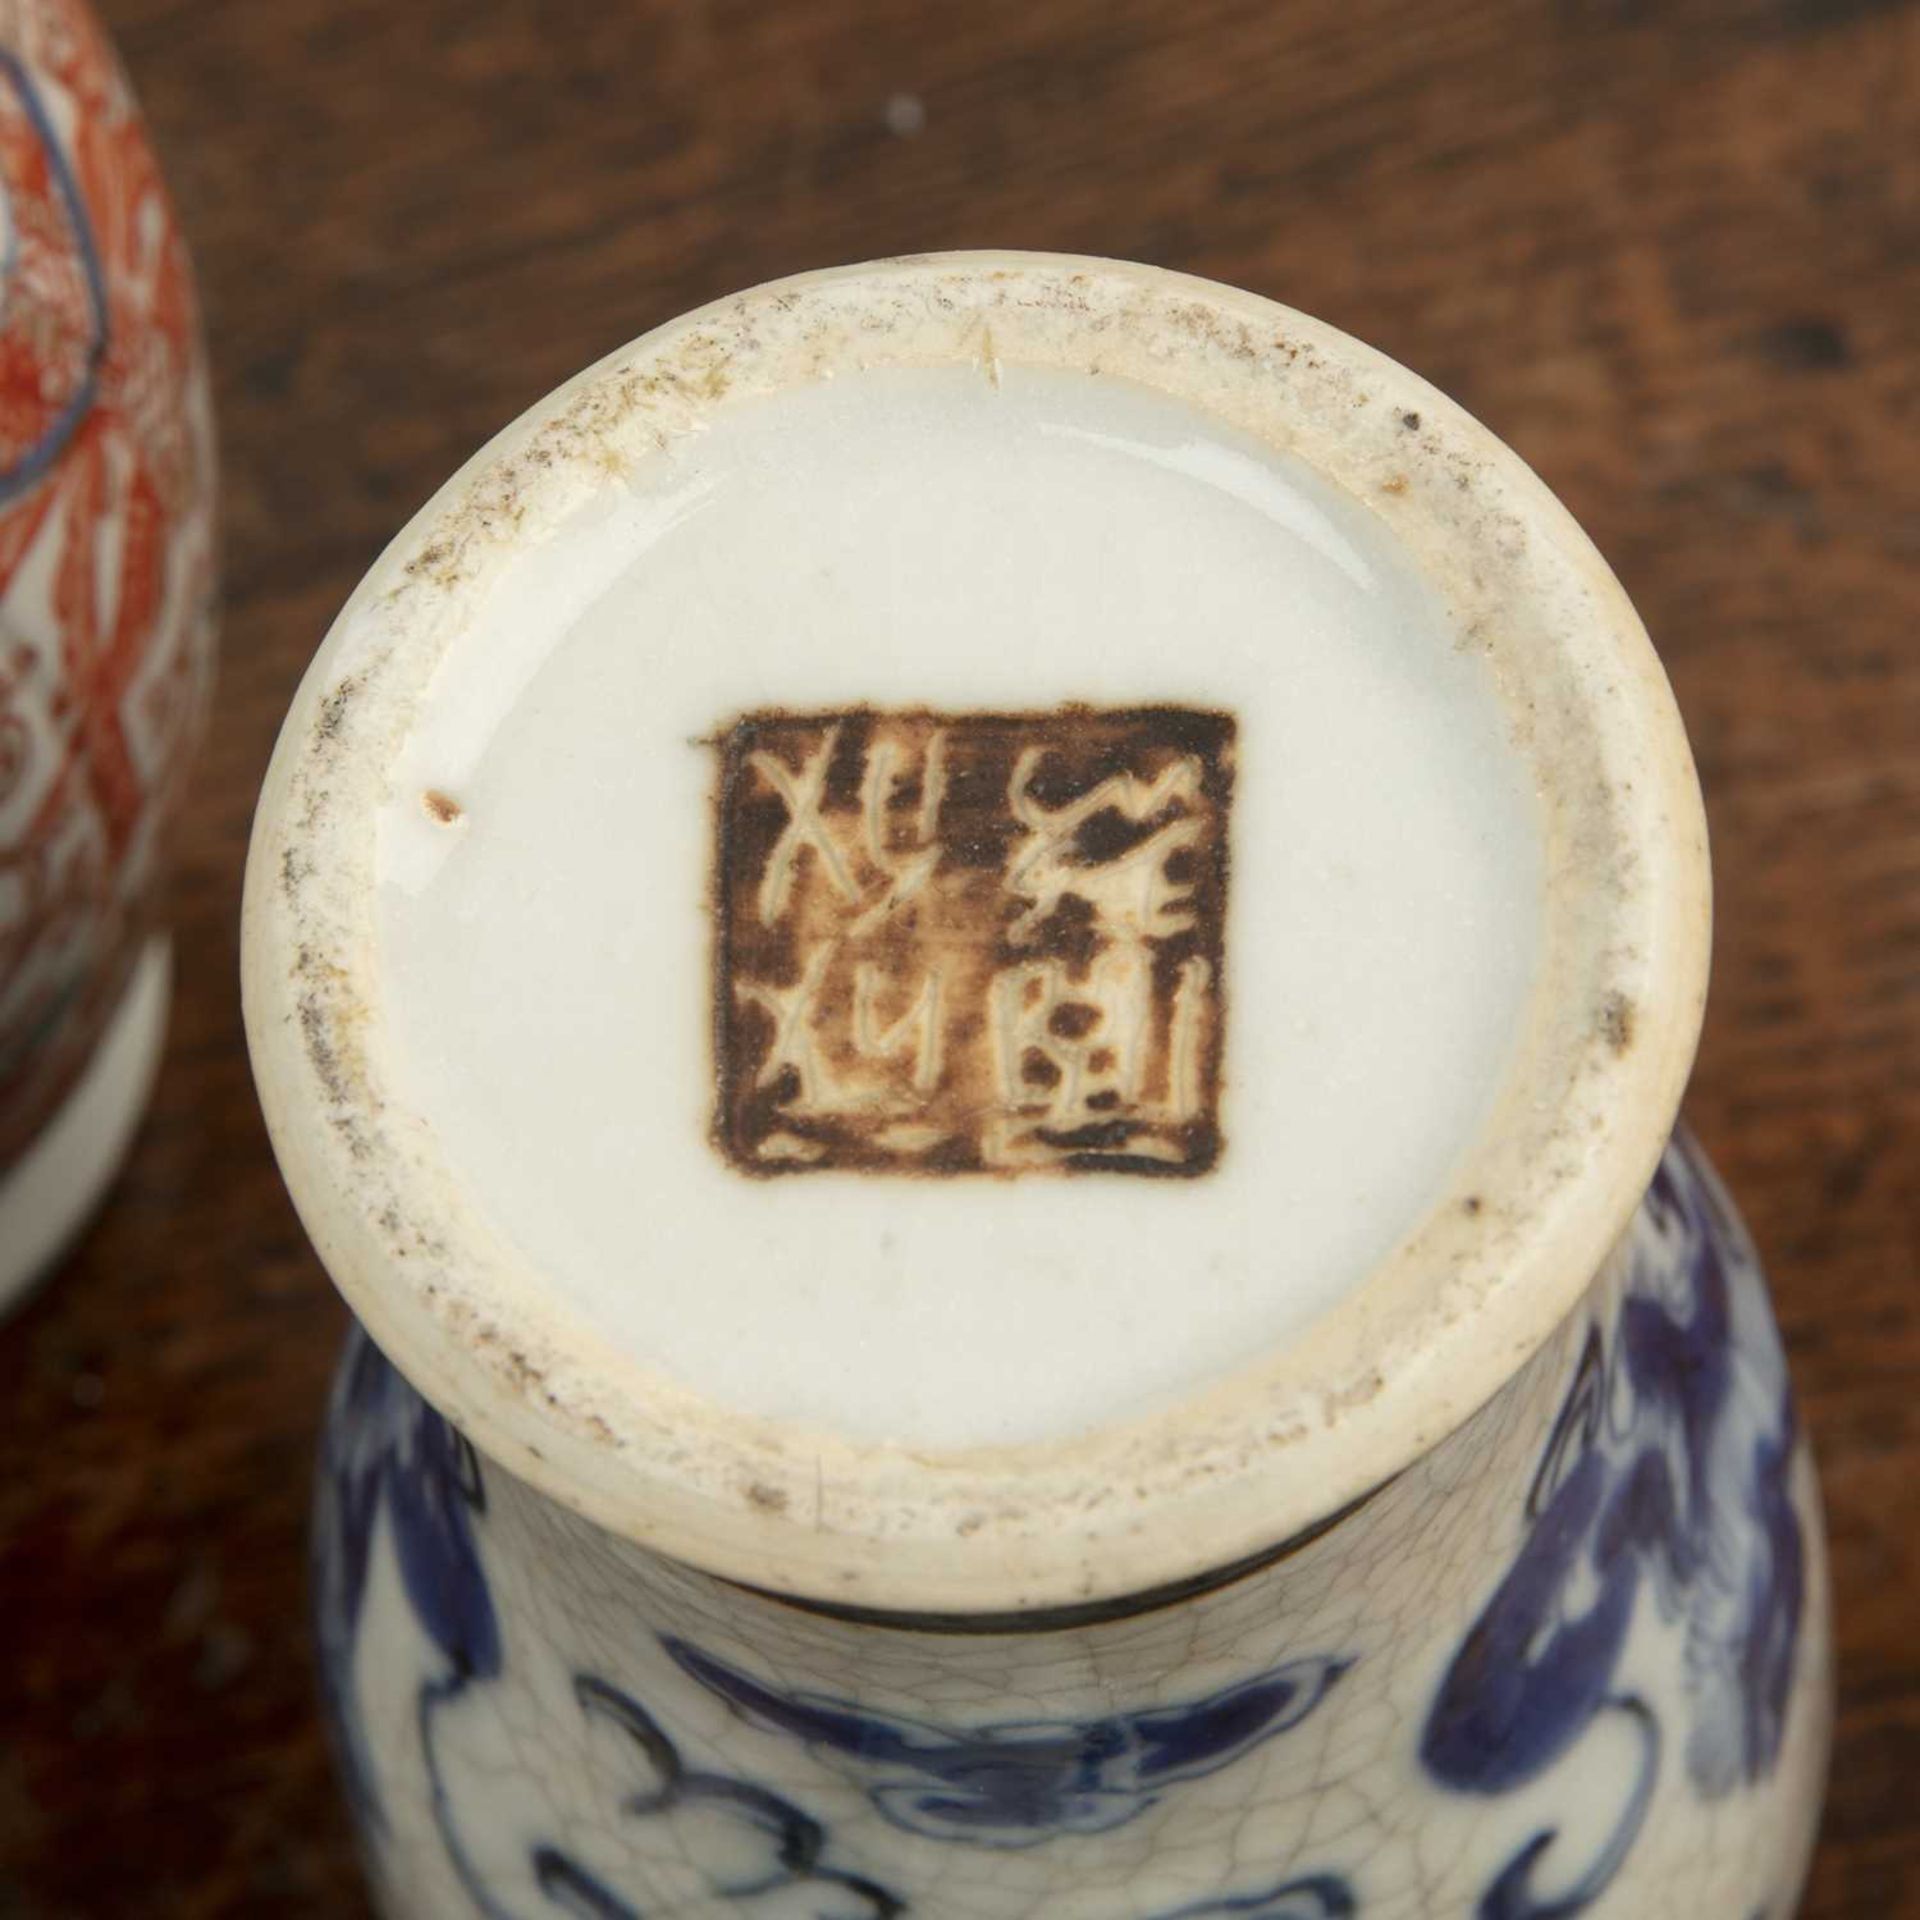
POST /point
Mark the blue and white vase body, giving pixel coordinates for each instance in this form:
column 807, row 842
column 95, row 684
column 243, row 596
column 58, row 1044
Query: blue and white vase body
column 1573, row 1661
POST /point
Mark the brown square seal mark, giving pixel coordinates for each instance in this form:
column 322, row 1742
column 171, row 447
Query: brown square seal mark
column 971, row 942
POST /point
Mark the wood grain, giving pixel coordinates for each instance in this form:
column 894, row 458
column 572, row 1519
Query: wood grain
column 1672, row 253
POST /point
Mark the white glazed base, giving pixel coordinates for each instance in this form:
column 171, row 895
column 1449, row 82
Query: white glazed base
column 50, row 1194
column 500, row 1317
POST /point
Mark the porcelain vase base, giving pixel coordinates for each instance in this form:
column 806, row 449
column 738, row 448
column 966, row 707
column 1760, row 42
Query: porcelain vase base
column 51, row 1192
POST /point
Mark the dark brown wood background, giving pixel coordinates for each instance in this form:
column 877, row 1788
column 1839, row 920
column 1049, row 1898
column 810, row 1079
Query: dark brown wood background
column 1671, row 253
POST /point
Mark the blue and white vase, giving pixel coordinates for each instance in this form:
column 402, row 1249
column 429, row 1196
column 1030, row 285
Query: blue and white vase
column 1573, row 1661
column 609, row 987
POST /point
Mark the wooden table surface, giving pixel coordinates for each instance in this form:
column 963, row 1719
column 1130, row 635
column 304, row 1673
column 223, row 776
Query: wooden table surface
column 1672, row 254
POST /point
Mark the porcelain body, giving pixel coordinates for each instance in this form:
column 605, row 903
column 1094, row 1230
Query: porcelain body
column 565, row 1353
column 106, row 631
column 1573, row 1661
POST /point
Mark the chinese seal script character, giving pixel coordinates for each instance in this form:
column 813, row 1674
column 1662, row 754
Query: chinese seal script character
column 971, row 942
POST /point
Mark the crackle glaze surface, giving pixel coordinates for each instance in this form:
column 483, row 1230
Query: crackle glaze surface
column 106, row 545
column 1572, row 1661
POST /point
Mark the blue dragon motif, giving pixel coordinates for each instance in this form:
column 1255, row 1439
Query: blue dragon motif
column 1667, row 1474
column 387, row 1454
column 1319, row 1896
column 794, row 1844
column 385, row 1451
column 1019, row 1783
